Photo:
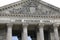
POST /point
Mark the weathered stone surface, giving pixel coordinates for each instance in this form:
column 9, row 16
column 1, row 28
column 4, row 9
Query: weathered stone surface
column 37, row 9
column 40, row 9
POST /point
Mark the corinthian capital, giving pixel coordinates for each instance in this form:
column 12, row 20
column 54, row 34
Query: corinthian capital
column 9, row 24
column 25, row 24
column 41, row 25
column 55, row 25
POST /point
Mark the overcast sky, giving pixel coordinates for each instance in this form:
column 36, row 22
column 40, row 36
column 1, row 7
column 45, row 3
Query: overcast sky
column 53, row 2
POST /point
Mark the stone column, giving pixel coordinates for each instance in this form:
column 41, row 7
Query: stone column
column 51, row 31
column 9, row 31
column 41, row 31
column 24, row 33
column 56, row 37
column 38, row 36
column 52, row 35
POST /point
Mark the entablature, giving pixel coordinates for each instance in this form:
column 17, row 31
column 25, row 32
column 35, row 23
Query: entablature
column 31, row 16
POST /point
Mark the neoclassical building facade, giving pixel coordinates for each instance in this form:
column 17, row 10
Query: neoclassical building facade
column 34, row 18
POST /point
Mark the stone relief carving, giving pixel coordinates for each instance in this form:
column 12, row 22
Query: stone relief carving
column 44, row 10
column 38, row 9
column 23, row 10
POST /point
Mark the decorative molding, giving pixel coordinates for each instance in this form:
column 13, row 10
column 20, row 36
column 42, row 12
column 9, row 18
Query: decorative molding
column 55, row 25
column 30, row 16
column 41, row 11
column 10, row 24
column 19, row 3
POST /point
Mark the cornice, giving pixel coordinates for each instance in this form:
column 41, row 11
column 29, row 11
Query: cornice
column 12, row 5
column 31, row 16
column 6, row 7
column 50, row 5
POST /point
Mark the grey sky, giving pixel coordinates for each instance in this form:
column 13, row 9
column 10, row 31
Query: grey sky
column 53, row 2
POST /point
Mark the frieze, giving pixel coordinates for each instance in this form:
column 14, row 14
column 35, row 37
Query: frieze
column 32, row 21
column 35, row 21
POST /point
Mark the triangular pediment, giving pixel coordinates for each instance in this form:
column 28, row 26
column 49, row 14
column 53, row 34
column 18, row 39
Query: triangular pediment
column 31, row 8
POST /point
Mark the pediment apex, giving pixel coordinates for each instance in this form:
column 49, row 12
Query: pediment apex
column 21, row 3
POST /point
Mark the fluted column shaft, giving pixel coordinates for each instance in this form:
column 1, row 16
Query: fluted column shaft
column 24, row 33
column 56, row 31
column 52, row 35
column 41, row 31
column 38, row 36
column 9, row 31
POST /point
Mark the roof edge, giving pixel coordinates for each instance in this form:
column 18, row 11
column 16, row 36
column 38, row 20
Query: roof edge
column 50, row 5
column 20, row 2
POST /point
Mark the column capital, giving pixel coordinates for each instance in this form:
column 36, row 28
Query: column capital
column 41, row 25
column 55, row 25
column 10, row 24
column 25, row 24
